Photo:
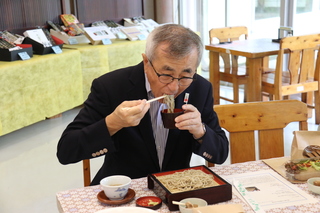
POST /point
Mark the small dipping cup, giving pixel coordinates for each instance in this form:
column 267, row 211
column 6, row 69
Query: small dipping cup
column 168, row 118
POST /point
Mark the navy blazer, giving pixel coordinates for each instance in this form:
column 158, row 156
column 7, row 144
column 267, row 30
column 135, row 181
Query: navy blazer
column 132, row 151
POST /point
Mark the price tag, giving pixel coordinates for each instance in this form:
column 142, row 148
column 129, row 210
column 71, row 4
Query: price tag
column 142, row 37
column 24, row 56
column 56, row 49
column 106, row 41
column 72, row 41
column 121, row 35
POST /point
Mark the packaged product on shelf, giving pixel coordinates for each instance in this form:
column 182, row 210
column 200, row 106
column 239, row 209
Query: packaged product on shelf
column 69, row 19
column 12, row 52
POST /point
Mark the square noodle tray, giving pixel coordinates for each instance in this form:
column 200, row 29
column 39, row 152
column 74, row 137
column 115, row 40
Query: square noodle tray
column 212, row 195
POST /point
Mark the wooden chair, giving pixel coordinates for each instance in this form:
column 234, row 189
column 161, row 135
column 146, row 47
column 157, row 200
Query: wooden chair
column 267, row 118
column 302, row 73
column 231, row 71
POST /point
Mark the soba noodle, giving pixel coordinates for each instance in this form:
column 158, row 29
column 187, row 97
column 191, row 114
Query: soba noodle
column 169, row 100
column 187, row 180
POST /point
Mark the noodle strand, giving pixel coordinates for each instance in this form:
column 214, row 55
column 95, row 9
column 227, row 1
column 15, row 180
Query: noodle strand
column 169, row 100
column 187, row 180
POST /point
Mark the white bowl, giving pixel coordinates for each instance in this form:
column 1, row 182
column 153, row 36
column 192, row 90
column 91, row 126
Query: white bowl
column 200, row 202
column 116, row 187
column 312, row 187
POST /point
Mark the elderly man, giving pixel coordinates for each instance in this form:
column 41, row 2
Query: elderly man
column 116, row 121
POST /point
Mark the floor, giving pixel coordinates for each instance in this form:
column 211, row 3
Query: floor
column 31, row 174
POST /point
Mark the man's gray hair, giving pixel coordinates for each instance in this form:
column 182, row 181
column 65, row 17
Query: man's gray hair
column 181, row 41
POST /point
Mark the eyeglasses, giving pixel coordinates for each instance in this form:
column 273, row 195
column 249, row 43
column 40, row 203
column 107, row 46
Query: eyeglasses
column 167, row 79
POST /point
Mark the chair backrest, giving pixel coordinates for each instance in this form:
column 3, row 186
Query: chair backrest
column 303, row 71
column 267, row 118
column 225, row 35
column 228, row 34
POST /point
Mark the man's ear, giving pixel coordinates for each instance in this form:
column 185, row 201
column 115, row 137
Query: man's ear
column 145, row 59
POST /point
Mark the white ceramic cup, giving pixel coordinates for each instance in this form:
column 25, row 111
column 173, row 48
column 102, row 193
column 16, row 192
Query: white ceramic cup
column 200, row 202
column 116, row 187
column 312, row 187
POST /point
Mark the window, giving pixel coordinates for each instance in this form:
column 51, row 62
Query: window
column 267, row 9
column 262, row 17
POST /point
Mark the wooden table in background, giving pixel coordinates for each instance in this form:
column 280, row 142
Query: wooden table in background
column 255, row 50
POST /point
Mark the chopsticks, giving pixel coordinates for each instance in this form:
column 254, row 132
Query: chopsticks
column 155, row 99
column 186, row 98
column 187, row 204
column 178, row 203
column 148, row 101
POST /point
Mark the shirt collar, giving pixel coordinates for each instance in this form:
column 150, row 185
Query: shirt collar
column 148, row 88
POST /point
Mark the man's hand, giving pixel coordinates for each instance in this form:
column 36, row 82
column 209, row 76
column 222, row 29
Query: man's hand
column 128, row 113
column 190, row 120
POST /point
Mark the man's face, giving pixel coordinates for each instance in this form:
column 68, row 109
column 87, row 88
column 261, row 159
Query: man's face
column 164, row 64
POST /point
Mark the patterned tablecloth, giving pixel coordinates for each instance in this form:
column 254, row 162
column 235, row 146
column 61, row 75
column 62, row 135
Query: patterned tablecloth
column 85, row 199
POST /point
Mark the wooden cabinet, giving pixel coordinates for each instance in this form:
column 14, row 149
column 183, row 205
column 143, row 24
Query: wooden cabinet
column 20, row 15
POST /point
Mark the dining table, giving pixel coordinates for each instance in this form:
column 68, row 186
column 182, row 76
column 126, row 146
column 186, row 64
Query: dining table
column 256, row 52
column 85, row 199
